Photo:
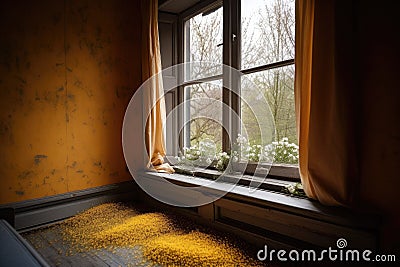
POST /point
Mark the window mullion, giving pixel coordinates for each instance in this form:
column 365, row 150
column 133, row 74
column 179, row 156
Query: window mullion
column 236, row 65
column 231, row 81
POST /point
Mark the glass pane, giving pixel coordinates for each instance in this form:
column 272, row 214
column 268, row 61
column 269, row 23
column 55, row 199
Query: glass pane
column 203, row 115
column 268, row 29
column 275, row 93
column 203, row 45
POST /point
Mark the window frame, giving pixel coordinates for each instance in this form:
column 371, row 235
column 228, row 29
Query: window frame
column 231, row 57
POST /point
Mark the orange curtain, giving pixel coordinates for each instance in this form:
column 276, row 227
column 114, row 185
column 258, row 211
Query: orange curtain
column 325, row 102
column 347, row 106
column 153, row 100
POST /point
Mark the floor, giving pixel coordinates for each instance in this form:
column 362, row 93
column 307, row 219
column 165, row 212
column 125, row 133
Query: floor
column 49, row 243
column 117, row 234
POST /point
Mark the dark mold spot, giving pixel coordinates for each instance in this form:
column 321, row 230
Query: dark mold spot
column 44, row 179
column 60, row 89
column 38, row 158
column 24, row 174
column 19, row 193
column 97, row 164
column 79, row 171
column 53, row 171
column 78, row 84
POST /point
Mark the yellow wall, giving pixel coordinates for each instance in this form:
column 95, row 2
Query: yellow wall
column 67, row 72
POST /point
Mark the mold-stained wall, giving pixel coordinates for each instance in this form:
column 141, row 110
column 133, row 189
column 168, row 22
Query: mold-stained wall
column 68, row 69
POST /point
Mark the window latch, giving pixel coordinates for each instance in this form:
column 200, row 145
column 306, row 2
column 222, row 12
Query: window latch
column 233, row 37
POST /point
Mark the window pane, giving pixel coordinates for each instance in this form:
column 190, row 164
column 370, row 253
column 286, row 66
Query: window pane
column 275, row 92
column 268, row 28
column 203, row 114
column 204, row 45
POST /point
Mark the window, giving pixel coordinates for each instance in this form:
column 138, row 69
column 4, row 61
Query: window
column 257, row 38
column 267, row 53
column 203, row 50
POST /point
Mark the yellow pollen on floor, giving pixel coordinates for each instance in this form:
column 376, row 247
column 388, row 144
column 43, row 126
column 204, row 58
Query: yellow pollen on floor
column 162, row 240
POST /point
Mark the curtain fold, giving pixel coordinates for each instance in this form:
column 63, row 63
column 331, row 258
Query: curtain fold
column 347, row 108
column 325, row 102
column 153, row 99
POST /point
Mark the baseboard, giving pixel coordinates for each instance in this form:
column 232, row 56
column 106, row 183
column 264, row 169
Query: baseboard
column 37, row 212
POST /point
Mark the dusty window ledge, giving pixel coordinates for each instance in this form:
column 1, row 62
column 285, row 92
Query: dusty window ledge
column 281, row 171
column 268, row 183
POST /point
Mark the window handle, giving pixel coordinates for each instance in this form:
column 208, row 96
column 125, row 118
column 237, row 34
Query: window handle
column 233, row 37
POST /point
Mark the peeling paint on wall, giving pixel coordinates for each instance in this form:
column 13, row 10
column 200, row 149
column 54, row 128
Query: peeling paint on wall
column 67, row 72
column 38, row 158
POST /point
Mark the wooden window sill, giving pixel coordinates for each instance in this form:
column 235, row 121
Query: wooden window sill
column 272, row 199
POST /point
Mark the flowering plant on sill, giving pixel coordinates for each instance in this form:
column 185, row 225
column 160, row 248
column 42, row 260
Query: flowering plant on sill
column 278, row 152
column 204, row 154
column 222, row 159
column 295, row 189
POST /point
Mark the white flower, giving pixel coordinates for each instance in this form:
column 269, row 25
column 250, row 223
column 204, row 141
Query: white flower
column 241, row 139
column 291, row 188
column 209, row 161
